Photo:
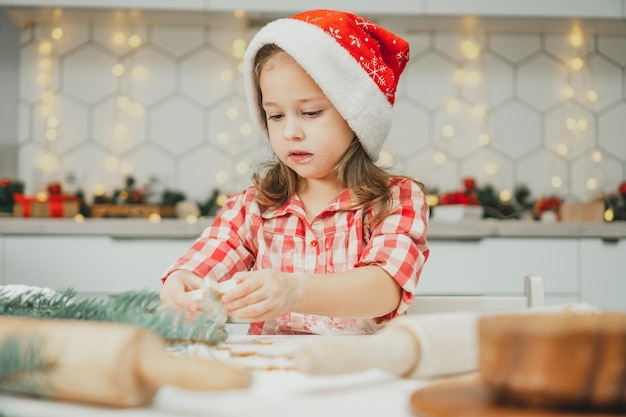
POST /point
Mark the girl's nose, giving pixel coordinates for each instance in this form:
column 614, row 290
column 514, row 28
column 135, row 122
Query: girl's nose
column 293, row 130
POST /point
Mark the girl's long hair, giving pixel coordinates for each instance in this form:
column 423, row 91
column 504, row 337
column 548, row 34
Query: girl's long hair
column 276, row 183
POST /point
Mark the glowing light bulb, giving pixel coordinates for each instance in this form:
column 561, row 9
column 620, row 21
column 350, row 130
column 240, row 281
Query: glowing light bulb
column 452, row 105
column 505, row 195
column 191, row 219
column 48, row 163
column 576, row 39
column 227, row 75
column 568, row 92
column 232, row 113
column 51, row 134
column 154, row 218
column 221, row 200
column 459, row 76
column 439, row 158
column 79, row 218
column 119, row 39
column 52, row 122
column 447, row 131
column 123, row 102
column 582, row 124
column 241, row 167
column 592, row 183
column 491, row 169
column 239, row 48
column 484, row 139
column 111, row 163
column 245, row 129
column 139, row 73
column 592, row 96
column 135, row 109
column 56, row 34
column 99, row 190
column 223, row 138
column 577, row 64
column 470, row 49
column 571, row 124
column 118, row 70
column 556, row 181
column 479, row 111
column 45, row 64
column 432, row 200
column 386, row 158
column 239, row 13
column 562, row 149
column 596, row 156
column 609, row 215
column 134, row 41
column 121, row 131
column 45, row 47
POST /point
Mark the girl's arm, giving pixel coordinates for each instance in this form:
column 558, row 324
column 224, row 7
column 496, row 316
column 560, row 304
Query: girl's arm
column 362, row 292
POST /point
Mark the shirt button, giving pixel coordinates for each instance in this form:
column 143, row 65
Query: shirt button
column 313, row 243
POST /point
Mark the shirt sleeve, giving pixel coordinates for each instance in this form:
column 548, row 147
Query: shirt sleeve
column 398, row 242
column 223, row 248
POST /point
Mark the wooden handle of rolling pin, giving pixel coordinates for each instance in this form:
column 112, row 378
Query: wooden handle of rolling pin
column 110, row 364
column 411, row 346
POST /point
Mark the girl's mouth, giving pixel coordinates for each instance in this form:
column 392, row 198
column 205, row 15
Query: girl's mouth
column 300, row 157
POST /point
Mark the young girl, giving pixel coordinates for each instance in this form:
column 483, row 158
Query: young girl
column 324, row 241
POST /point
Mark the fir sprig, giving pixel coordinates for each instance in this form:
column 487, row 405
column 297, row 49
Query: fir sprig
column 140, row 308
column 23, row 366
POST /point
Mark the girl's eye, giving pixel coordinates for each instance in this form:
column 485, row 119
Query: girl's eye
column 312, row 113
column 274, row 116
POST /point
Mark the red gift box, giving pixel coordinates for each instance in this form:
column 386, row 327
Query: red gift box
column 61, row 205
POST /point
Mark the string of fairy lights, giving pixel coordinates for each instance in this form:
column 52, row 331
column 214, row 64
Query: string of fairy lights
column 581, row 87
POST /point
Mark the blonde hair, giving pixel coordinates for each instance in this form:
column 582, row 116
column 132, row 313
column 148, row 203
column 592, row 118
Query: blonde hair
column 276, row 183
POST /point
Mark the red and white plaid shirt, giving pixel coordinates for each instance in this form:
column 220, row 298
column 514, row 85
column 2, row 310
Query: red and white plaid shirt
column 244, row 237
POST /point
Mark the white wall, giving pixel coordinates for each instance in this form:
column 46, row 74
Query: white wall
column 190, row 130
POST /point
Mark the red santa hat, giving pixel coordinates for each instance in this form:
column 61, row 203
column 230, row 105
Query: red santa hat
column 355, row 62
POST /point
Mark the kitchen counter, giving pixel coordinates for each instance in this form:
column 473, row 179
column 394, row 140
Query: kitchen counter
column 181, row 229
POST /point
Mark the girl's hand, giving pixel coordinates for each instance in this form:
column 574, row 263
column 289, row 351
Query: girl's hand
column 261, row 295
column 173, row 293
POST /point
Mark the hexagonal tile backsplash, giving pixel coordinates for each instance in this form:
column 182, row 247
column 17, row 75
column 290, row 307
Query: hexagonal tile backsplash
column 165, row 104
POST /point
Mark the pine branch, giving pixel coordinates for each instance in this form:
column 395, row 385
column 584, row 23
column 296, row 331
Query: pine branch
column 140, row 308
column 23, row 366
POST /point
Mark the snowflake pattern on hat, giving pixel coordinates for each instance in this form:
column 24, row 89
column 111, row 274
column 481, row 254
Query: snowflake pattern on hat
column 380, row 53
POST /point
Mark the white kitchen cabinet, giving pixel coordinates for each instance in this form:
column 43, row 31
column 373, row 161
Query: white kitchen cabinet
column 89, row 264
column 603, row 272
column 498, row 266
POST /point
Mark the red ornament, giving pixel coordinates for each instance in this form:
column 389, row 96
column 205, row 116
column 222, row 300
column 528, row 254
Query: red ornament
column 5, row 182
column 622, row 188
column 469, row 183
column 54, row 188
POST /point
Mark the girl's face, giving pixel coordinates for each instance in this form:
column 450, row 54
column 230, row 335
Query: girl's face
column 306, row 132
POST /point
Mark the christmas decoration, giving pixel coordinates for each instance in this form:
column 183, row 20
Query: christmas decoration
column 140, row 308
column 8, row 188
column 53, row 204
column 616, row 204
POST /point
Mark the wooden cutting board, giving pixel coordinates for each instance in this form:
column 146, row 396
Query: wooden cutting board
column 470, row 398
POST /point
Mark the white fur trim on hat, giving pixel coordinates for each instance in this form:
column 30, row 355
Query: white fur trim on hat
column 355, row 95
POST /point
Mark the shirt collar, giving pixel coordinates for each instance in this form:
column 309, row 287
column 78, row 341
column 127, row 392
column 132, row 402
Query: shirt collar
column 295, row 207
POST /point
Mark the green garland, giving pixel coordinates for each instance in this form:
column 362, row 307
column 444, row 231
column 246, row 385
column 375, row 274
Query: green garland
column 140, row 308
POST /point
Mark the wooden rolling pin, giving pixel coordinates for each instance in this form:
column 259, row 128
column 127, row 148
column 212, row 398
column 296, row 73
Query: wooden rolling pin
column 412, row 347
column 415, row 346
column 109, row 364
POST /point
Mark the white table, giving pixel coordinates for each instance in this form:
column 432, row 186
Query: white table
column 275, row 393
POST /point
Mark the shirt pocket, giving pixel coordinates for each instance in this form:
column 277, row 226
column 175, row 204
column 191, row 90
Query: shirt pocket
column 280, row 251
